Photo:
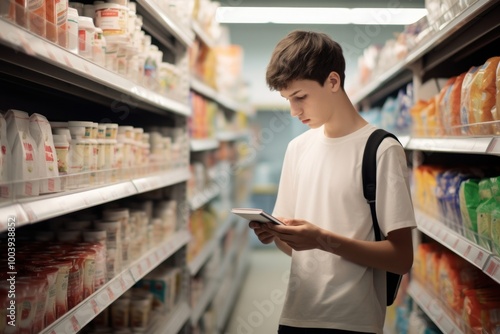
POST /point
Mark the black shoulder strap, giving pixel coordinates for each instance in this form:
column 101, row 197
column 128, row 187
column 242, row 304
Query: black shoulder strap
column 369, row 173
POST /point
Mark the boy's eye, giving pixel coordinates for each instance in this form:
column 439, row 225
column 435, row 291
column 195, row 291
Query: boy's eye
column 300, row 97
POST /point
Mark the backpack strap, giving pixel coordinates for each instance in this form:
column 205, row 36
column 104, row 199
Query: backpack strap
column 369, row 173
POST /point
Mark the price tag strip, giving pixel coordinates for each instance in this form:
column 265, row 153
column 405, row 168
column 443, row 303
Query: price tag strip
column 160, row 181
column 455, row 242
column 432, row 307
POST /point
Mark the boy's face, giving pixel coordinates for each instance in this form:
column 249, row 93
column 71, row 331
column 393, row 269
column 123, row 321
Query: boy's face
column 310, row 102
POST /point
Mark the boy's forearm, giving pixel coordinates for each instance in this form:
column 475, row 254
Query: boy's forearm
column 391, row 255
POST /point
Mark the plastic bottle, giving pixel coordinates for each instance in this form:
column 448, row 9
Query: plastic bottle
column 72, row 25
column 61, row 145
column 86, row 32
column 99, row 53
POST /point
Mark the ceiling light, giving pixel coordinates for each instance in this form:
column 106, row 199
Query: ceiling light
column 308, row 15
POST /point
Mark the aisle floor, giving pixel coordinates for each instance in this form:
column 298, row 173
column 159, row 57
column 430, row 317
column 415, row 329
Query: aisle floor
column 258, row 307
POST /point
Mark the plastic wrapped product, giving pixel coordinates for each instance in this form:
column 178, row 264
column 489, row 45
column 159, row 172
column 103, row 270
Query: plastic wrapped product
column 482, row 97
column 452, row 109
column 469, row 201
column 465, row 103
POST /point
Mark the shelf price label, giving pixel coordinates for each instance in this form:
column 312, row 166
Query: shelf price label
column 492, row 268
column 137, row 271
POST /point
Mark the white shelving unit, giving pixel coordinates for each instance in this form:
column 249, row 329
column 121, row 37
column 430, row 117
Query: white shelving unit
column 210, row 93
column 400, row 73
column 37, row 63
column 467, row 40
column 34, row 209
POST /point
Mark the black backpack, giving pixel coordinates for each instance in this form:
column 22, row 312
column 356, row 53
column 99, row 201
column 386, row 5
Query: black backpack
column 369, row 173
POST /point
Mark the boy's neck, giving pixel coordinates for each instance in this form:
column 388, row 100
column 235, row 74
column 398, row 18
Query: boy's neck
column 345, row 118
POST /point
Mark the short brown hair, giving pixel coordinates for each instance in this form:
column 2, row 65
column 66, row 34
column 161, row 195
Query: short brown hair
column 304, row 55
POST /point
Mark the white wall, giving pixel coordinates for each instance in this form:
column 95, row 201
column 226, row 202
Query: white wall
column 258, row 41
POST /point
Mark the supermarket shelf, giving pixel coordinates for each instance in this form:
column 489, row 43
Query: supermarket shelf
column 477, row 145
column 162, row 180
column 58, row 67
column 204, row 301
column 174, row 322
column 213, row 286
column 231, row 135
column 202, row 35
column 195, row 265
column 184, row 35
column 463, row 247
column 433, row 308
column 35, row 209
column 404, row 140
column 238, row 281
column 400, row 71
column 82, row 314
column 210, row 93
column 205, row 196
column 198, row 145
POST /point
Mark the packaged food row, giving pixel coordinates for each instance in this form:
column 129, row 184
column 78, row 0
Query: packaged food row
column 82, row 252
column 40, row 157
column 470, row 295
column 468, row 104
column 464, row 199
column 107, row 33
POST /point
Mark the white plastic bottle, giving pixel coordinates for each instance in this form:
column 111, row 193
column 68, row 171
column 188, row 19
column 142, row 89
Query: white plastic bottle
column 73, row 30
column 86, row 33
column 99, row 53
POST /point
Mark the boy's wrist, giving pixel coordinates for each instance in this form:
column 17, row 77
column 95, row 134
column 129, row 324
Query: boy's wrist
column 327, row 241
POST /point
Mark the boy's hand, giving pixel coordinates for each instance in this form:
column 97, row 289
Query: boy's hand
column 298, row 234
column 261, row 232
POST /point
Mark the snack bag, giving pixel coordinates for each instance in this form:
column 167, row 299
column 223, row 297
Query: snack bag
column 442, row 104
column 452, row 111
column 469, row 201
column 465, row 100
column 495, row 229
column 484, row 211
column 482, row 96
column 495, row 112
column 416, row 116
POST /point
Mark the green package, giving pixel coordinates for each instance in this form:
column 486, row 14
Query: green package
column 495, row 229
column 484, row 211
column 469, row 201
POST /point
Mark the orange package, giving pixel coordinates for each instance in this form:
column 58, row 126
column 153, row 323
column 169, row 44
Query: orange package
column 496, row 110
column 442, row 106
column 415, row 112
column 31, row 14
column 483, row 96
column 452, row 113
column 429, row 118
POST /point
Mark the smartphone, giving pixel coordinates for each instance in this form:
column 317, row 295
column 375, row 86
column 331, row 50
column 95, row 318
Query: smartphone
column 257, row 215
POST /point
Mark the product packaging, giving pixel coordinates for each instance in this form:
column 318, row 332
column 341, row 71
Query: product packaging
column 48, row 170
column 5, row 161
column 24, row 154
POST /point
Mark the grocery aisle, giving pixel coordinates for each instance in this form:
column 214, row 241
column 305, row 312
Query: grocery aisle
column 258, row 307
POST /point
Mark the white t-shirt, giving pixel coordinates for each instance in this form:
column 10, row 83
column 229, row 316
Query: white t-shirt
column 321, row 182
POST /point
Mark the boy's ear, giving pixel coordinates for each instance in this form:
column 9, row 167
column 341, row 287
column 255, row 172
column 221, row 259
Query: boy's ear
column 333, row 81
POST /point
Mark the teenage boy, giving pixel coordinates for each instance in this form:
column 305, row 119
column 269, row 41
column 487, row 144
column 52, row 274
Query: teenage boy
column 337, row 278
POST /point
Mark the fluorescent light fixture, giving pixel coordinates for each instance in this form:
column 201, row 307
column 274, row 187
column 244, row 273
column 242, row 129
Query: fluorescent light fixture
column 310, row 15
